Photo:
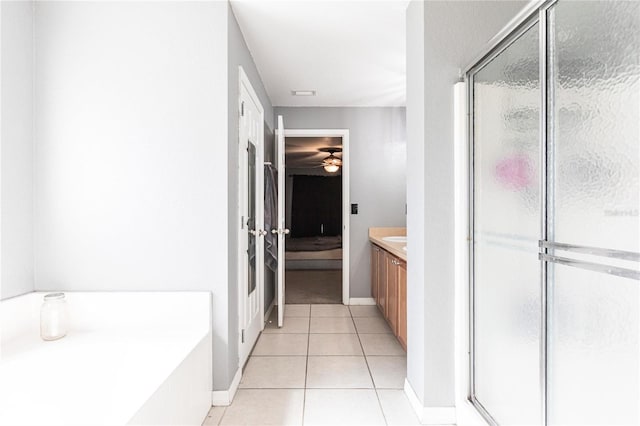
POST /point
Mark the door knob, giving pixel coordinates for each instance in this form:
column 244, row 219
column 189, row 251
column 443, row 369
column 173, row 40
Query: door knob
column 280, row 231
column 262, row 233
column 252, row 232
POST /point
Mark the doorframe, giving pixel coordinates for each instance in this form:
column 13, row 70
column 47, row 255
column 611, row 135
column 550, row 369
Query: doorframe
column 466, row 413
column 346, row 199
column 243, row 80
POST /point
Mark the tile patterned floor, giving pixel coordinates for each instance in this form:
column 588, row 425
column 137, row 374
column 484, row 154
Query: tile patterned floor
column 329, row 365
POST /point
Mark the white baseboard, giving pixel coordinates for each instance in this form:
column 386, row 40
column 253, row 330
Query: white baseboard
column 429, row 415
column 362, row 301
column 413, row 399
column 225, row 398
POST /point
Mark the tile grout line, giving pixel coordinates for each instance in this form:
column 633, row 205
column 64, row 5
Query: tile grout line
column 366, row 360
column 384, row 416
column 224, row 411
column 306, row 369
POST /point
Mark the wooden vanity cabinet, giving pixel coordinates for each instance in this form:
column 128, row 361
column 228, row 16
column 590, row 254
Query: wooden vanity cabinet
column 402, row 304
column 374, row 271
column 389, row 289
column 379, row 282
column 391, row 312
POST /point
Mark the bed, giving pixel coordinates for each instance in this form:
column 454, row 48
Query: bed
column 320, row 252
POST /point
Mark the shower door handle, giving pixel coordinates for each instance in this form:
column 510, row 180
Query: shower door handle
column 594, row 251
column 619, row 271
column 591, row 266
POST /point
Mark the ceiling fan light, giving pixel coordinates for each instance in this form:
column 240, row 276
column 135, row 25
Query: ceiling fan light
column 332, row 160
column 331, row 168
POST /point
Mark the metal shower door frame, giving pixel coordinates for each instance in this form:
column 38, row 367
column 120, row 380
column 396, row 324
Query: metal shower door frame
column 535, row 13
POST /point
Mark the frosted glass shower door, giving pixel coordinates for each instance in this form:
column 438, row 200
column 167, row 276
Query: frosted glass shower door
column 593, row 327
column 555, row 220
column 506, row 229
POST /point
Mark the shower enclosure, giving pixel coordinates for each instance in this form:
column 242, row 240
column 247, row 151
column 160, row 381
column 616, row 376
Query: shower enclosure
column 554, row 127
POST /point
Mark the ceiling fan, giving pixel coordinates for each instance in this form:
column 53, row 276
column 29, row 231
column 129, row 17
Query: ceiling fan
column 331, row 163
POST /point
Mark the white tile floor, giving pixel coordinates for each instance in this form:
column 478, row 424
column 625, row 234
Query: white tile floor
column 329, row 365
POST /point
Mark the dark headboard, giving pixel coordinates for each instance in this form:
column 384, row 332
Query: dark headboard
column 316, row 205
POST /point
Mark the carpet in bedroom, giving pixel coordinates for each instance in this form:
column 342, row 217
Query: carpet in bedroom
column 313, row 286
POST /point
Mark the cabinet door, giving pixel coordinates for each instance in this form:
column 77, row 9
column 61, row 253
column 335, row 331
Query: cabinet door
column 392, row 292
column 374, row 272
column 382, row 281
column 402, row 304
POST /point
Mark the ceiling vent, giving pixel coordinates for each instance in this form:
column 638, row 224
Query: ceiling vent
column 303, row 92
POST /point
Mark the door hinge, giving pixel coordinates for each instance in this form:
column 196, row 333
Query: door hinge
column 242, row 336
column 241, row 222
column 242, row 109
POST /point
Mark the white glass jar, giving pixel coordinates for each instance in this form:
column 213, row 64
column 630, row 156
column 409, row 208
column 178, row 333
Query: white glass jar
column 53, row 317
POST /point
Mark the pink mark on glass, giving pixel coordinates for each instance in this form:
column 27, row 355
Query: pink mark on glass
column 515, row 172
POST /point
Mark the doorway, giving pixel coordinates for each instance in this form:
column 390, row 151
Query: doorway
column 554, row 224
column 338, row 227
column 313, row 200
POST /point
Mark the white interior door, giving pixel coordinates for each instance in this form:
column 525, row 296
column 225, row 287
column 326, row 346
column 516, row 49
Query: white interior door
column 282, row 230
column 251, row 203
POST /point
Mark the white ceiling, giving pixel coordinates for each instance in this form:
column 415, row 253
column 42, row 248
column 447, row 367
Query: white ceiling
column 352, row 53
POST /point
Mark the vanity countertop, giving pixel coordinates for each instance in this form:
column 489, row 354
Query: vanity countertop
column 376, row 236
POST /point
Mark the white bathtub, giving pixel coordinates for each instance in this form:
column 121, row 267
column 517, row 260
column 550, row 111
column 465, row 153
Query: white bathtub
column 128, row 358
